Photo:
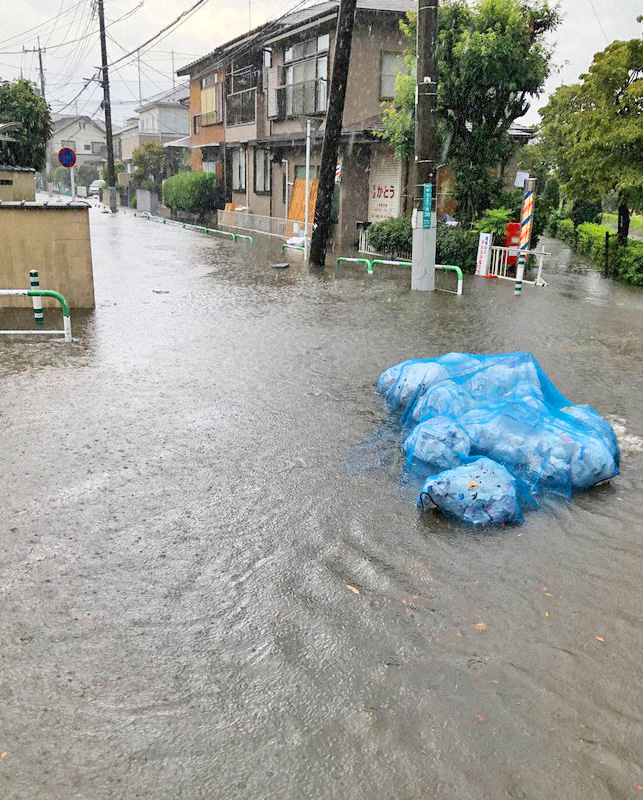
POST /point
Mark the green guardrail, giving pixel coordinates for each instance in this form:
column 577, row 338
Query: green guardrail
column 291, row 247
column 366, row 261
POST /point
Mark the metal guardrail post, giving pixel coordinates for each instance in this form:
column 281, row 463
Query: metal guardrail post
column 34, row 282
column 41, row 293
column 368, row 262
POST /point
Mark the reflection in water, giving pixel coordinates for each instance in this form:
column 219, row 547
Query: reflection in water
column 181, row 526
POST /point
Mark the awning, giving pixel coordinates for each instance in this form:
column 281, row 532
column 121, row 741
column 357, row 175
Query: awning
column 184, row 141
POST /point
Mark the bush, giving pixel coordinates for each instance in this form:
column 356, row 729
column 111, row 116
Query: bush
column 586, row 211
column 194, row 192
column 457, row 246
column 624, row 262
column 567, row 232
column 391, row 235
column 494, row 220
column 553, row 221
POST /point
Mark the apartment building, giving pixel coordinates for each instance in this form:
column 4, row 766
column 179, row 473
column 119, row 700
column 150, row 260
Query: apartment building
column 248, row 99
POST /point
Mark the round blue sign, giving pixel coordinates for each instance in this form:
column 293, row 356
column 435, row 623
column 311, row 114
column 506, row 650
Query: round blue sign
column 67, row 157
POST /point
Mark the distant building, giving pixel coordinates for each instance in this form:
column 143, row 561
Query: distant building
column 84, row 135
column 164, row 119
column 247, row 96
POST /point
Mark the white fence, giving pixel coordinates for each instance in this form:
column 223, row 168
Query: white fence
column 271, row 226
column 499, row 263
column 365, row 246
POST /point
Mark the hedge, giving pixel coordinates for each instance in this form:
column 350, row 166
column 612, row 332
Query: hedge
column 454, row 245
column 624, row 262
column 194, row 192
column 566, row 231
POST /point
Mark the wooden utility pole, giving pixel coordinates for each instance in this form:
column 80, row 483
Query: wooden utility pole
column 426, row 148
column 334, row 120
column 42, row 71
column 111, row 173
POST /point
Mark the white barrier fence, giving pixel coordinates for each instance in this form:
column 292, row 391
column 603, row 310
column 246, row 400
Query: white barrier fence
column 498, row 263
column 271, row 226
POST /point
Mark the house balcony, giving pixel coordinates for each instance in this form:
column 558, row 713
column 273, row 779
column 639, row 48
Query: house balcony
column 241, row 107
column 307, row 98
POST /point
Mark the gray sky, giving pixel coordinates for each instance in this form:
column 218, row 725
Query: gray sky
column 587, row 27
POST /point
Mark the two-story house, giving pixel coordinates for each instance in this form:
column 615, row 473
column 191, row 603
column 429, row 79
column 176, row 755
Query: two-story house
column 163, row 118
column 84, row 135
column 248, row 99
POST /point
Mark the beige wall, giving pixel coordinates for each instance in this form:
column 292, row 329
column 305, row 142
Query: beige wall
column 22, row 186
column 370, row 37
column 55, row 241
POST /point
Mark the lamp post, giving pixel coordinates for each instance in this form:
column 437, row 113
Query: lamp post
column 310, row 125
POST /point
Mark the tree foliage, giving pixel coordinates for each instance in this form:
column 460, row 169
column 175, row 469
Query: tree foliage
column 20, row 102
column 592, row 131
column 492, row 58
column 151, row 164
column 86, row 174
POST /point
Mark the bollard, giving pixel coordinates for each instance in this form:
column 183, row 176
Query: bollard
column 526, row 222
column 37, row 300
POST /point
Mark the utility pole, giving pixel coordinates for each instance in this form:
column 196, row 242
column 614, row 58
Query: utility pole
column 42, row 71
column 334, row 120
column 111, row 173
column 426, row 146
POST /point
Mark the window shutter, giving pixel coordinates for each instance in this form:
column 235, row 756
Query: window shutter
column 274, row 79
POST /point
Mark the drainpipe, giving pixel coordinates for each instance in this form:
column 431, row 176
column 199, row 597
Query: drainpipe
column 285, row 161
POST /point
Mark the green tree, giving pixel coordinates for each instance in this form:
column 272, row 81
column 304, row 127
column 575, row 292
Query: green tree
column 593, row 134
column 492, row 58
column 151, row 164
column 118, row 167
column 20, row 102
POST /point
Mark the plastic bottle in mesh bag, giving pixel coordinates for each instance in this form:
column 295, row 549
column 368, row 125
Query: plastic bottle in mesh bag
column 505, row 379
column 414, row 377
column 593, row 419
column 438, row 442
column 479, row 493
column 445, row 398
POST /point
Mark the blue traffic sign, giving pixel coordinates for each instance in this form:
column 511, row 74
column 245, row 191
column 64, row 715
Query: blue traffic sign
column 67, row 157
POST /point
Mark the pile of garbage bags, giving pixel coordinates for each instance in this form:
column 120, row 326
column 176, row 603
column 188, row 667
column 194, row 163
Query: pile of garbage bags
column 489, row 433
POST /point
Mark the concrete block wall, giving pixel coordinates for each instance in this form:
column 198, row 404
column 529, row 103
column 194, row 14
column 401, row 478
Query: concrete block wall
column 56, row 242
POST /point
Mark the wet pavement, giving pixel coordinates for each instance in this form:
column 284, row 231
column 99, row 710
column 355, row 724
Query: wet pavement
column 210, row 589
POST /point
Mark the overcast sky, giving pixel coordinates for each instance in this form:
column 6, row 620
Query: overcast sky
column 587, row 27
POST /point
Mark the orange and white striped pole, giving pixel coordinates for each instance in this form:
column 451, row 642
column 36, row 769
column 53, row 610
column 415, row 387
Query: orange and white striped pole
column 526, row 224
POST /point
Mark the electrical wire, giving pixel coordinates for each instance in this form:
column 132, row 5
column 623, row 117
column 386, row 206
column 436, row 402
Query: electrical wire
column 30, row 32
column 183, row 17
column 598, row 19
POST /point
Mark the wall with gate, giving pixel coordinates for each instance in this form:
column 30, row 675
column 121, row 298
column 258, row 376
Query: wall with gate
column 53, row 240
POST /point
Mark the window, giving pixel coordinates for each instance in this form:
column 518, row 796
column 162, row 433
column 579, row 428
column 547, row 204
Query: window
column 196, row 123
column 300, row 172
column 71, row 143
column 87, row 147
column 239, row 169
column 262, row 170
column 209, row 80
column 209, row 166
column 392, row 63
column 306, row 77
column 310, row 47
column 267, row 57
column 96, row 147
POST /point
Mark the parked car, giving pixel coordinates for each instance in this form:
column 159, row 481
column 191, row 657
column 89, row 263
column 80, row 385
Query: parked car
column 95, row 187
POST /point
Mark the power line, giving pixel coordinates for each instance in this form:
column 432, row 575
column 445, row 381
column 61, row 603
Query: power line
column 178, row 21
column 74, row 41
column 598, row 19
column 30, row 31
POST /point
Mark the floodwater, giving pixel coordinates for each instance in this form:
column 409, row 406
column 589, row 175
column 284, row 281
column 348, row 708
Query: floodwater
column 203, row 597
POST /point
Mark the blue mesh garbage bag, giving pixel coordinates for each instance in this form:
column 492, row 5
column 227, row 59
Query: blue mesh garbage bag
column 593, row 419
column 437, row 443
column 442, row 399
column 413, row 377
column 512, row 416
column 480, row 493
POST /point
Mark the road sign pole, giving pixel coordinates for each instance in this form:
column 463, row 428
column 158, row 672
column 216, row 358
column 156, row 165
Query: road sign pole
column 73, row 182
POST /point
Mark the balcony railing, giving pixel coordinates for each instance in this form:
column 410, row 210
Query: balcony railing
column 241, row 107
column 203, row 120
column 305, row 98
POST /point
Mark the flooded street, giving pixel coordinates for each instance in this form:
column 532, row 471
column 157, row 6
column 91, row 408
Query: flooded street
column 210, row 589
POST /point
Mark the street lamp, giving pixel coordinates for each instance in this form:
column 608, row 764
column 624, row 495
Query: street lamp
column 310, row 125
